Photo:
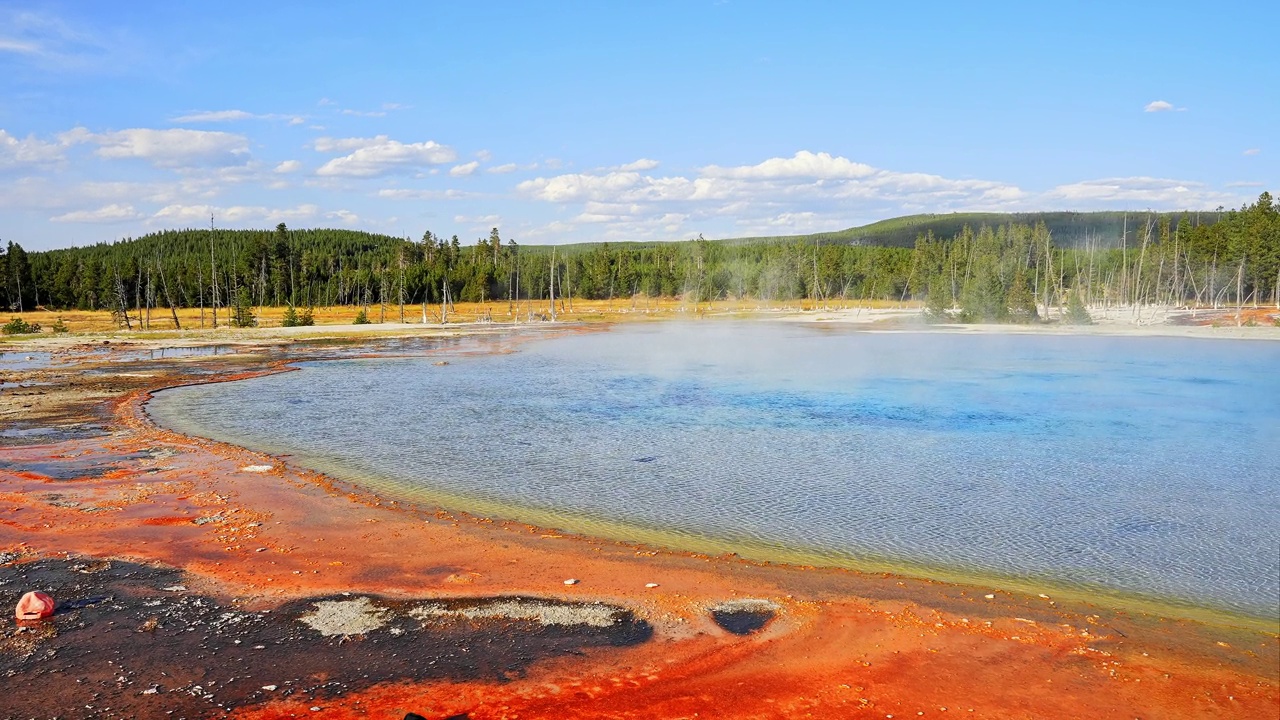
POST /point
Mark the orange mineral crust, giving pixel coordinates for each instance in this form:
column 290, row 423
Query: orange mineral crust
column 275, row 547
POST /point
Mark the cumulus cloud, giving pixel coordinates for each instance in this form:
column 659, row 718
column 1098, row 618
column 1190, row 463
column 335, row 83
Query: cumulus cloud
column 503, row 169
column 164, row 148
column 464, row 169
column 811, row 191
column 27, row 151
column 371, row 157
column 288, row 166
column 484, row 156
column 1161, row 106
column 107, row 214
column 803, row 178
column 803, row 164
column 639, row 165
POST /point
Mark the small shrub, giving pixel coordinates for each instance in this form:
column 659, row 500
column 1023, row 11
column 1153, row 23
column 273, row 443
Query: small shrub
column 61, row 327
column 306, row 319
column 242, row 313
column 290, row 318
column 362, row 318
column 18, row 326
column 1077, row 313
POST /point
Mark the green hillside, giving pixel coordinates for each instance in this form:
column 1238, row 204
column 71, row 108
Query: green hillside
column 1069, row 229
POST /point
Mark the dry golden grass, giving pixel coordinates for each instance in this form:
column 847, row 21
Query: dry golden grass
column 619, row 309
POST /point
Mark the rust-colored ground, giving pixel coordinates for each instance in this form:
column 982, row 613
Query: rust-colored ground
column 844, row 644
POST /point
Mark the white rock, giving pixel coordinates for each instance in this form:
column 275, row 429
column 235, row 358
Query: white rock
column 651, row 585
column 990, row 596
column 571, row 581
column 269, row 687
column 256, row 468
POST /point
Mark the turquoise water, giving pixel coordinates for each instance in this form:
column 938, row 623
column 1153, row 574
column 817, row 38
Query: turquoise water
column 1145, row 465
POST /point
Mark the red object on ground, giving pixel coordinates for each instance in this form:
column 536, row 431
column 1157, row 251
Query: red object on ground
column 34, row 606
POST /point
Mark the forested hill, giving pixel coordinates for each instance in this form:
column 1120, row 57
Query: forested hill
column 1106, row 257
column 1069, row 229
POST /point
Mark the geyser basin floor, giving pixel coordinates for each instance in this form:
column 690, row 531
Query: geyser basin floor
column 842, row 645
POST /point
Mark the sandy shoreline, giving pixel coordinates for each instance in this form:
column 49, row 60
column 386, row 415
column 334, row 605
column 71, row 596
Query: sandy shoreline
column 107, row 485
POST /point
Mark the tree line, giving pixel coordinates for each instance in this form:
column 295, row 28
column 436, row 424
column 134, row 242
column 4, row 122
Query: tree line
column 995, row 272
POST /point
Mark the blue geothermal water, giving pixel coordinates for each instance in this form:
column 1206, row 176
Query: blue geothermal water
column 1143, row 465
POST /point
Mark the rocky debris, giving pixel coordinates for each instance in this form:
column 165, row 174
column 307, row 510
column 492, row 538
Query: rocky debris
column 543, row 612
column 744, row 616
column 356, row 616
column 125, row 642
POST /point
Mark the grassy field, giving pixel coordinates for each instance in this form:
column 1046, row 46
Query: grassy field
column 617, row 310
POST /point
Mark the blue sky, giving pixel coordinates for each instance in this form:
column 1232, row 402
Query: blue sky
column 564, row 122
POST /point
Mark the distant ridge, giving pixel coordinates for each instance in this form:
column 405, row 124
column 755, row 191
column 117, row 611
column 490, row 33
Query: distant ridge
column 1069, row 229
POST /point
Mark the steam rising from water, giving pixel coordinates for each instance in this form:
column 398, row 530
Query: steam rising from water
column 1140, row 464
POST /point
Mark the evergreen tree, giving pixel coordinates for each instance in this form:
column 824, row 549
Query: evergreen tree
column 242, row 313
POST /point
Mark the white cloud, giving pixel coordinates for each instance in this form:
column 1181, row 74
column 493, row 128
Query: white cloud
column 484, row 156
column 331, row 144
column 107, row 214
column 201, row 116
column 19, row 46
column 812, row 191
column 164, row 148
column 1137, row 192
column 47, row 41
column 478, row 220
column 383, row 156
column 345, row 217
column 639, row 165
column 1245, row 184
column 803, row 164
column 27, row 151
column 464, row 169
column 213, row 116
column 234, row 215
column 409, row 194
column 363, row 113
column 288, row 166
column 503, row 169
column 1161, row 106
column 1252, row 151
